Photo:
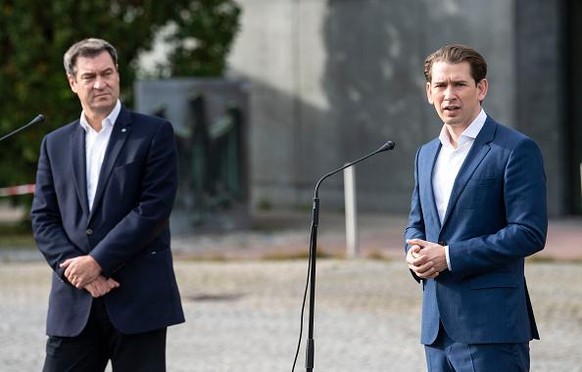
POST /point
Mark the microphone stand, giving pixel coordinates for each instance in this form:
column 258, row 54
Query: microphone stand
column 310, row 357
column 37, row 119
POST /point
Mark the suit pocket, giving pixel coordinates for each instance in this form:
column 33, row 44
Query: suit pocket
column 482, row 181
column 493, row 280
column 480, row 193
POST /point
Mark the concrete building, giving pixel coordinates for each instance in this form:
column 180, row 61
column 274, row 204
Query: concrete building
column 331, row 80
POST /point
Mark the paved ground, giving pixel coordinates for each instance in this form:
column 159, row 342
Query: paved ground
column 287, row 234
column 243, row 313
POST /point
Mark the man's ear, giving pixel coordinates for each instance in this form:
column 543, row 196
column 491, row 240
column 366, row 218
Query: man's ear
column 482, row 88
column 72, row 82
column 428, row 93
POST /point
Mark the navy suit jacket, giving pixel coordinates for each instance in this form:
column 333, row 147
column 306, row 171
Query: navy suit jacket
column 126, row 231
column 496, row 217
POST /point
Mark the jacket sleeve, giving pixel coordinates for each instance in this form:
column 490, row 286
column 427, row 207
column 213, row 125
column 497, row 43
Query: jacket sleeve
column 415, row 227
column 45, row 214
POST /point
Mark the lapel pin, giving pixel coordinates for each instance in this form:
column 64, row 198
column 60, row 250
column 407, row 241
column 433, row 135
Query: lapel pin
column 123, row 130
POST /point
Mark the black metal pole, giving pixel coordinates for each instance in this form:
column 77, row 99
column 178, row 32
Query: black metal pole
column 310, row 355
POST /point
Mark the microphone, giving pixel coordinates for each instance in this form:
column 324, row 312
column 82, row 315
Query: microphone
column 385, row 147
column 310, row 285
column 39, row 118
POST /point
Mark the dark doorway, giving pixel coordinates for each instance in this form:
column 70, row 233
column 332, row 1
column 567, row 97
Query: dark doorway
column 573, row 122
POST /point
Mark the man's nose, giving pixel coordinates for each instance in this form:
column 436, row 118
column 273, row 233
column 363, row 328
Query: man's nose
column 449, row 93
column 98, row 84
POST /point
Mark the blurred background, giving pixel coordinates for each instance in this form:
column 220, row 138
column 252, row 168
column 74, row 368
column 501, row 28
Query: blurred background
column 267, row 96
column 332, row 80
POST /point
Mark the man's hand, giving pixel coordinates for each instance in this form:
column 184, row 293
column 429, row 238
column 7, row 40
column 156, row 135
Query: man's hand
column 426, row 259
column 101, row 286
column 81, row 270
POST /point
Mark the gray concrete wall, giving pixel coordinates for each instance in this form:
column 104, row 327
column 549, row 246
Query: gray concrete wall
column 541, row 109
column 333, row 80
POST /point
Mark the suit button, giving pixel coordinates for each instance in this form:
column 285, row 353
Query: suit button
column 89, row 231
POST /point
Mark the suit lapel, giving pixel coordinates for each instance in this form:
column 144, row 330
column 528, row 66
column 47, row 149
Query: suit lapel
column 79, row 166
column 478, row 151
column 117, row 141
column 427, row 164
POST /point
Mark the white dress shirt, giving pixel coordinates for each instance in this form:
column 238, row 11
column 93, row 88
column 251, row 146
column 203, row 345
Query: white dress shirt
column 95, row 147
column 448, row 164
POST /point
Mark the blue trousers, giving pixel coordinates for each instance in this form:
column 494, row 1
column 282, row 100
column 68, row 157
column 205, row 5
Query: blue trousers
column 446, row 355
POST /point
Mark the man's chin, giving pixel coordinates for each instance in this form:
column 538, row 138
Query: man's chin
column 451, row 120
column 103, row 107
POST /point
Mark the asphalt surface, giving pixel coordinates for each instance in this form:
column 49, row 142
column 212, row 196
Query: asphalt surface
column 242, row 295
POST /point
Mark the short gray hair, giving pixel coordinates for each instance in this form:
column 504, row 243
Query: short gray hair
column 87, row 48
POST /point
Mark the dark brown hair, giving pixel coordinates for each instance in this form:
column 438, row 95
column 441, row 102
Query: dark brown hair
column 457, row 53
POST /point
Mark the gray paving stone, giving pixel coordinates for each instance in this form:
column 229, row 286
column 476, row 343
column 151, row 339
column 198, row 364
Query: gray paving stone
column 245, row 316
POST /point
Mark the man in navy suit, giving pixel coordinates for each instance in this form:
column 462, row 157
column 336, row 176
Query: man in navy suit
column 105, row 188
column 478, row 209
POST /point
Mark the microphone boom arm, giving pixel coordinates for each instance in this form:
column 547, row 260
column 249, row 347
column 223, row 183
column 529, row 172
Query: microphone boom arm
column 37, row 119
column 385, row 147
column 310, row 350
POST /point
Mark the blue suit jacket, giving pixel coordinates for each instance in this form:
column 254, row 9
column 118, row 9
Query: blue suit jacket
column 495, row 218
column 126, row 231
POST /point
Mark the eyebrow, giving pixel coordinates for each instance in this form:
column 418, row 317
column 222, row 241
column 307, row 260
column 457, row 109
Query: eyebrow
column 89, row 73
column 446, row 81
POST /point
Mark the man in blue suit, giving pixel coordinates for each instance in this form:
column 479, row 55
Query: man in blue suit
column 105, row 188
column 478, row 209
